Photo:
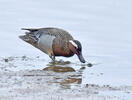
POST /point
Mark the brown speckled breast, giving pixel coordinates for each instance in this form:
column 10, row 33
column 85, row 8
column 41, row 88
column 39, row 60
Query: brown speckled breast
column 60, row 44
column 60, row 48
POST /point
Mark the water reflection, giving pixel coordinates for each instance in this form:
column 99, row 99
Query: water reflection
column 59, row 69
column 59, row 66
column 64, row 74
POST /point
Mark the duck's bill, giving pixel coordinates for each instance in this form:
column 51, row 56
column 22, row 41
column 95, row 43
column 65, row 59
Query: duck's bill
column 81, row 57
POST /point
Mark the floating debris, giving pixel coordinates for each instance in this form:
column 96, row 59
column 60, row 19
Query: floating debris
column 6, row 60
column 89, row 65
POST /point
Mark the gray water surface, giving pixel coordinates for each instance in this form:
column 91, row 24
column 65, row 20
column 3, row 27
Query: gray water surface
column 102, row 26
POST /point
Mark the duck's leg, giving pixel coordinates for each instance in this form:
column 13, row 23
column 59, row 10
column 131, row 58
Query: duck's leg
column 52, row 57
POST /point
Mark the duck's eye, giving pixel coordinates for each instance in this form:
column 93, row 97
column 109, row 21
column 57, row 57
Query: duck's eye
column 75, row 47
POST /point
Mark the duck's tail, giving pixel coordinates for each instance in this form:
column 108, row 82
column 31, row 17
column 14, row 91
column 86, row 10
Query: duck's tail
column 29, row 37
column 30, row 29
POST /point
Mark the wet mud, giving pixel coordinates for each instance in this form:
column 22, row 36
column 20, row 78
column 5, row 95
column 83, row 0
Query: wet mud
column 55, row 81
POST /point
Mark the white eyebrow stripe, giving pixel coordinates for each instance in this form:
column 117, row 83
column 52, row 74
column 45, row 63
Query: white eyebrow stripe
column 73, row 43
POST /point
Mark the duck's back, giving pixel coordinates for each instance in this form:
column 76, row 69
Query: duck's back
column 58, row 33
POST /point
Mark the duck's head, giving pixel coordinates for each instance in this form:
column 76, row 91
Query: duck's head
column 76, row 47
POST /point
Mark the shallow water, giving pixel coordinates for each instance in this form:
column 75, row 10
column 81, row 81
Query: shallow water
column 103, row 27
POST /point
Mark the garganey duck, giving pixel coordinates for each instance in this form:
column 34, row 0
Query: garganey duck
column 54, row 42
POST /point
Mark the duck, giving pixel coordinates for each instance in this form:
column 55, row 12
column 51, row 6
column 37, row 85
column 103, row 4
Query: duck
column 54, row 42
